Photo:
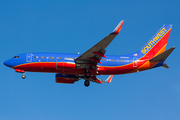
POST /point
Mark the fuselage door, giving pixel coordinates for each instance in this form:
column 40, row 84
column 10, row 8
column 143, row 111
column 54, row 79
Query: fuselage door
column 135, row 62
column 29, row 57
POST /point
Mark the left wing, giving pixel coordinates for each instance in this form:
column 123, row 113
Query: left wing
column 93, row 56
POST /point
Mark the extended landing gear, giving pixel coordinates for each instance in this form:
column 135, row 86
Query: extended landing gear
column 87, row 74
column 23, row 76
column 86, row 83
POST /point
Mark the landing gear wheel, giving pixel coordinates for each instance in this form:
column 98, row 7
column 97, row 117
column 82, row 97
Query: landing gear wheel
column 86, row 83
column 23, row 76
column 87, row 74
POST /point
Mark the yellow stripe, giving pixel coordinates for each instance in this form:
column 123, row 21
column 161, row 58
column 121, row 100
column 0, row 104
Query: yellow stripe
column 160, row 50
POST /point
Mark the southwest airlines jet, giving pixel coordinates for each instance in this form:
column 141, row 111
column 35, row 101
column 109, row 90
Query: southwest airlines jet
column 73, row 67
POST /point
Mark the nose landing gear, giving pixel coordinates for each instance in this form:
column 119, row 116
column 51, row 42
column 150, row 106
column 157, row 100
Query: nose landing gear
column 21, row 71
column 23, row 76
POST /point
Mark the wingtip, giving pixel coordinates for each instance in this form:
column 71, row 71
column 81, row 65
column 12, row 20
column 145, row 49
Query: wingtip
column 109, row 79
column 118, row 28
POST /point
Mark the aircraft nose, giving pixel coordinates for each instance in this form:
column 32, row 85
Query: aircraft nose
column 5, row 63
column 8, row 63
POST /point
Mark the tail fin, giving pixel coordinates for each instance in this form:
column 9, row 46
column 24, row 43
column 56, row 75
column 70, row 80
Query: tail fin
column 157, row 44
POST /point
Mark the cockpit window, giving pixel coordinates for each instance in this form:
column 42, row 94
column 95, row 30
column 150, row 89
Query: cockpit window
column 16, row 56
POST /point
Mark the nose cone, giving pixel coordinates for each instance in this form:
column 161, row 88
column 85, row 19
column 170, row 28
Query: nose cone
column 8, row 63
column 5, row 63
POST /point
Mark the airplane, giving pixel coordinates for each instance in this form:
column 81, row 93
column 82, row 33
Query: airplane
column 70, row 68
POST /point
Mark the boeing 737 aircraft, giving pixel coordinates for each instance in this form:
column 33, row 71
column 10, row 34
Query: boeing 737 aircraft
column 73, row 67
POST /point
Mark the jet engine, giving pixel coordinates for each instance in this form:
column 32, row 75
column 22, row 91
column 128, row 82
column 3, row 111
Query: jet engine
column 64, row 78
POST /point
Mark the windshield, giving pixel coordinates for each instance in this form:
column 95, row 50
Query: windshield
column 16, row 56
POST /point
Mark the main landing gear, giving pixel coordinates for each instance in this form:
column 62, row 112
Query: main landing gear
column 87, row 75
column 86, row 83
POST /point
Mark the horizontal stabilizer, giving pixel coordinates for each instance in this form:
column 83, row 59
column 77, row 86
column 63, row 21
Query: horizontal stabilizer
column 165, row 65
column 162, row 57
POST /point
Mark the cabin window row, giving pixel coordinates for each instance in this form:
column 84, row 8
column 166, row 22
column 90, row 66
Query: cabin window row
column 47, row 57
column 73, row 59
column 115, row 60
column 52, row 57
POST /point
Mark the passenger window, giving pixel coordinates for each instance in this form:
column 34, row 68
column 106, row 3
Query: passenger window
column 44, row 57
column 49, row 57
column 34, row 56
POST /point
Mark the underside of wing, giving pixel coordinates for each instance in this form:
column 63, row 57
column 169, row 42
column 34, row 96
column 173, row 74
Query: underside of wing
column 93, row 56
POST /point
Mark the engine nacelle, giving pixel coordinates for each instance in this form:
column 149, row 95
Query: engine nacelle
column 64, row 78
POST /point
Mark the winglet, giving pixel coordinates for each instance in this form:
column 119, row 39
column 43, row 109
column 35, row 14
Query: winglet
column 118, row 28
column 108, row 80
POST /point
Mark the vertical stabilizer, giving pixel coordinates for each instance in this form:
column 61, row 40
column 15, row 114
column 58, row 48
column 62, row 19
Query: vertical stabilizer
column 157, row 44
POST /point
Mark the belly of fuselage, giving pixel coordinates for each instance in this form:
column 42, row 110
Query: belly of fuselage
column 70, row 68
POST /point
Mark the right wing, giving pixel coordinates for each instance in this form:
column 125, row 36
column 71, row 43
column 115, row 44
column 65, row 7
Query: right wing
column 93, row 56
